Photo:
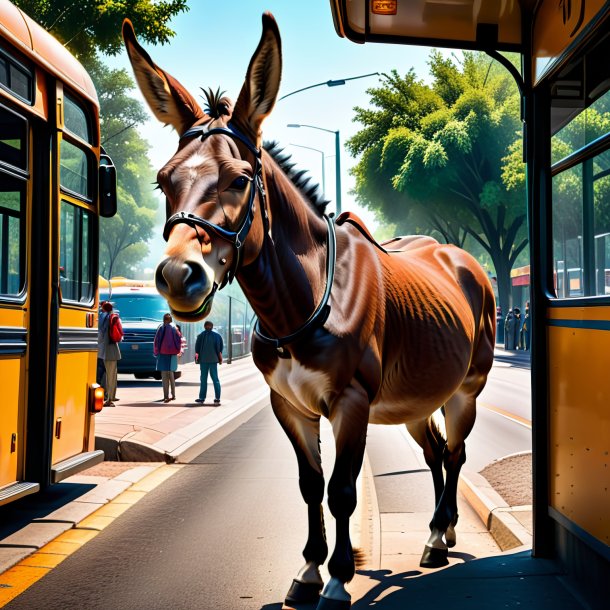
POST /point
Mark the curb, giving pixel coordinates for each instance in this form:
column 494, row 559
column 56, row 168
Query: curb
column 494, row 512
column 186, row 443
column 38, row 547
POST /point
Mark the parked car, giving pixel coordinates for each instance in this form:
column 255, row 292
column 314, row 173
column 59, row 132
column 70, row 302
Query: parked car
column 141, row 311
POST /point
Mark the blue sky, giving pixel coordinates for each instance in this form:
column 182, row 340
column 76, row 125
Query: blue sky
column 212, row 48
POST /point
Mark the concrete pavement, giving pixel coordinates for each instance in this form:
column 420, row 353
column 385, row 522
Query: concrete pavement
column 141, row 428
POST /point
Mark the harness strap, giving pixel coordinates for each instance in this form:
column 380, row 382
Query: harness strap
column 322, row 311
column 235, row 238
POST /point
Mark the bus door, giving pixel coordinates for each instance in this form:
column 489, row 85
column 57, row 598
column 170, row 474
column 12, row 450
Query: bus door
column 14, row 185
column 75, row 240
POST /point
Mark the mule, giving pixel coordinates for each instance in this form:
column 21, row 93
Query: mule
column 347, row 329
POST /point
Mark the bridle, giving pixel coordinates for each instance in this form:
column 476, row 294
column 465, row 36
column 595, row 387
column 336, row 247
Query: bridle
column 235, row 238
column 238, row 238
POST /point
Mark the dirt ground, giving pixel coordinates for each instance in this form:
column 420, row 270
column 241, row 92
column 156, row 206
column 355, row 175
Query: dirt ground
column 511, row 477
column 112, row 469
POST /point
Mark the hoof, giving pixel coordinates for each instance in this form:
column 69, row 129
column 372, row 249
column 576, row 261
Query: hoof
column 326, row 603
column 434, row 558
column 303, row 592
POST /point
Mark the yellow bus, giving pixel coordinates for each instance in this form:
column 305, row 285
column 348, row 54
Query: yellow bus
column 564, row 82
column 55, row 182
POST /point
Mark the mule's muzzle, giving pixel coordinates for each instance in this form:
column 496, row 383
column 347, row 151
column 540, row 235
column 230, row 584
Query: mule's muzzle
column 184, row 284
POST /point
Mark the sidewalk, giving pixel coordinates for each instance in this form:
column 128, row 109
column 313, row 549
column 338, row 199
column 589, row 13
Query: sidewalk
column 141, row 428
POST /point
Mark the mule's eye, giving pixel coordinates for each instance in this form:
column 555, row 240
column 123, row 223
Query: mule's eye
column 239, row 184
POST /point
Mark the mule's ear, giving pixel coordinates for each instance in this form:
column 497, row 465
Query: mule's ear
column 169, row 101
column 262, row 83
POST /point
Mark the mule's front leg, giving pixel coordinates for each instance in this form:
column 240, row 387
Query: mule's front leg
column 349, row 418
column 304, row 434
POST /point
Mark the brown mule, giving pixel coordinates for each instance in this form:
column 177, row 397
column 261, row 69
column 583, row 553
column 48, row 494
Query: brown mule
column 346, row 329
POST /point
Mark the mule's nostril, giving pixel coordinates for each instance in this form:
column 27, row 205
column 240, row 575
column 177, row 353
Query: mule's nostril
column 160, row 280
column 182, row 279
column 195, row 279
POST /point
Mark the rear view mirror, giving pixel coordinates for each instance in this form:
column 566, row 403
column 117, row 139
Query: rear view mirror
column 107, row 187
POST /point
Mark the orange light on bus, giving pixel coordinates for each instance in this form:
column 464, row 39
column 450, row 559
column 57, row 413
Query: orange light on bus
column 96, row 398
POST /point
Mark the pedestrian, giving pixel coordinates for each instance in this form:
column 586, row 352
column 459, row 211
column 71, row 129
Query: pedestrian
column 208, row 354
column 525, row 329
column 509, row 331
column 499, row 325
column 517, row 328
column 109, row 352
column 166, row 348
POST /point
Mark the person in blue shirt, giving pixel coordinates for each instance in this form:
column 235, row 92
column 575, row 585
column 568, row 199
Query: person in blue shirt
column 208, row 354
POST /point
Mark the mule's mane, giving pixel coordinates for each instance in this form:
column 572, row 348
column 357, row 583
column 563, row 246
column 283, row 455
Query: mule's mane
column 299, row 178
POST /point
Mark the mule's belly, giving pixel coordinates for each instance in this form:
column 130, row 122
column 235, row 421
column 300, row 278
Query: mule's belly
column 404, row 411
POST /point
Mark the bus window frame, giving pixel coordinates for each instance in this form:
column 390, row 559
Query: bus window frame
column 70, row 197
column 93, row 231
column 586, row 153
column 23, row 175
column 91, row 168
column 12, row 58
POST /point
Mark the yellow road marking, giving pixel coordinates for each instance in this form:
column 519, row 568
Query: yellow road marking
column 31, row 569
column 520, row 420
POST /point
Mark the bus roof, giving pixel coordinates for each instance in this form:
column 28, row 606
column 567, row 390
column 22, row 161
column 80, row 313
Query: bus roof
column 39, row 46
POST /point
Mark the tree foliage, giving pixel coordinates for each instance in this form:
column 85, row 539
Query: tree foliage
column 88, row 28
column 122, row 238
column 433, row 157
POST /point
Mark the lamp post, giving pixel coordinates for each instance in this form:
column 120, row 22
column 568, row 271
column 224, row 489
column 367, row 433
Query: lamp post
column 337, row 160
column 323, row 164
column 329, row 83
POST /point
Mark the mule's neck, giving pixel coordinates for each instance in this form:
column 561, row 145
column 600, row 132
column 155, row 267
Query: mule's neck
column 286, row 280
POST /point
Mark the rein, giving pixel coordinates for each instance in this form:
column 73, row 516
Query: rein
column 238, row 238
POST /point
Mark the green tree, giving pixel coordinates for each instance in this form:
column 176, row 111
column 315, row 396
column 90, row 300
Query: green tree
column 88, row 28
column 122, row 238
column 432, row 157
column 119, row 249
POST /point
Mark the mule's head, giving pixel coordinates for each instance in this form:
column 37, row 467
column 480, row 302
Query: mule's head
column 213, row 183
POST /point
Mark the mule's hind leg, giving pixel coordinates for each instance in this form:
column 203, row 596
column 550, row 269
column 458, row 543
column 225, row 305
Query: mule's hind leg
column 460, row 413
column 304, row 434
column 427, row 435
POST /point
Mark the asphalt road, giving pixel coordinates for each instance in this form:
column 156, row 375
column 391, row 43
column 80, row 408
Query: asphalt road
column 224, row 533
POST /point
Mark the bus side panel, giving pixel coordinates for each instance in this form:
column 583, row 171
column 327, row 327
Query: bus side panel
column 579, row 427
column 11, row 416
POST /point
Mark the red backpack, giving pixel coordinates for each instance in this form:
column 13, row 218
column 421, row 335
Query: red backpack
column 115, row 328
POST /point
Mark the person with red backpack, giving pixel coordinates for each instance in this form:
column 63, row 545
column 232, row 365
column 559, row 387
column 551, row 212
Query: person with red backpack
column 109, row 334
column 167, row 346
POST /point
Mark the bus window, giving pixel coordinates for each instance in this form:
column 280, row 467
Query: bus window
column 12, row 246
column 15, row 77
column 74, row 169
column 76, row 277
column 567, row 232
column 13, row 140
column 581, row 203
column 75, row 120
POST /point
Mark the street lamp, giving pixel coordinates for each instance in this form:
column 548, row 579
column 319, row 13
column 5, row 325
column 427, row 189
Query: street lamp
column 329, row 83
column 337, row 160
column 323, row 164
